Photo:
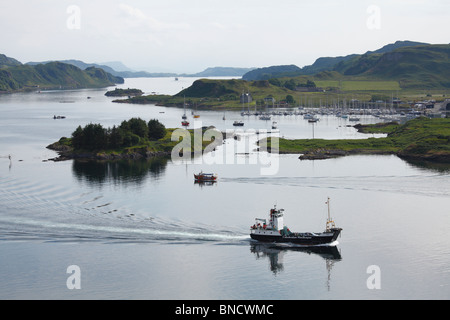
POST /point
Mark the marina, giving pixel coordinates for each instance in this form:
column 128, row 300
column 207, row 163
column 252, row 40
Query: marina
column 313, row 114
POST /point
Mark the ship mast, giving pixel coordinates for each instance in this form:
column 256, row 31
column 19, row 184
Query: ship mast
column 330, row 223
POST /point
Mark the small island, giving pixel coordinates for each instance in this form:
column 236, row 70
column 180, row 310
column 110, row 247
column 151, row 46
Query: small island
column 134, row 139
column 419, row 139
column 124, row 93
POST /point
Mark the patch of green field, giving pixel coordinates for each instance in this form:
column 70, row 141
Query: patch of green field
column 366, row 85
column 422, row 138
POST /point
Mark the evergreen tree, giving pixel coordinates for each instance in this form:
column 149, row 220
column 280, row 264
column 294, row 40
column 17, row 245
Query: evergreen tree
column 156, row 130
column 137, row 126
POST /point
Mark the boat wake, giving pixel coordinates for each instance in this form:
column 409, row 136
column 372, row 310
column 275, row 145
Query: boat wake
column 414, row 184
column 33, row 229
column 36, row 212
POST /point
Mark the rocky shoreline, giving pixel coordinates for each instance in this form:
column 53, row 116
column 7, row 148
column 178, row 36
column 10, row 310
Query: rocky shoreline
column 323, row 154
column 67, row 153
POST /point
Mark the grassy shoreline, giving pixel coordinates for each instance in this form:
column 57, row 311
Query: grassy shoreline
column 419, row 139
column 151, row 149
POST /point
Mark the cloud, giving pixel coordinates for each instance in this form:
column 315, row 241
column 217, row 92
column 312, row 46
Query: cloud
column 132, row 12
column 136, row 17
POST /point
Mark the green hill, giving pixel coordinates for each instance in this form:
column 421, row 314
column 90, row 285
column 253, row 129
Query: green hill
column 53, row 75
column 229, row 90
column 329, row 63
column 217, row 94
column 272, row 72
column 213, row 89
column 397, row 45
column 7, row 81
column 8, row 62
column 414, row 65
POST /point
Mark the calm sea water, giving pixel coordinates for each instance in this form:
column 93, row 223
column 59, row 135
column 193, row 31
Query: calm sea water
column 144, row 230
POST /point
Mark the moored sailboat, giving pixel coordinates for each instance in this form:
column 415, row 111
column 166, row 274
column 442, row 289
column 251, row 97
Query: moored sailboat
column 184, row 121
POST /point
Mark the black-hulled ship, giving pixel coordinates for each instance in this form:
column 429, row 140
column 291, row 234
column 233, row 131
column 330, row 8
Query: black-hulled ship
column 274, row 230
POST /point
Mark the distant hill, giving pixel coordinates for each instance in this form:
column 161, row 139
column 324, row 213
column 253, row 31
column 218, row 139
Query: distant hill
column 412, row 64
column 212, row 89
column 53, row 75
column 399, row 44
column 222, row 72
column 232, row 89
column 80, row 64
column 83, row 66
column 117, row 66
column 321, row 64
column 425, row 66
column 272, row 72
column 8, row 62
column 128, row 73
column 324, row 64
column 329, row 63
column 143, row 74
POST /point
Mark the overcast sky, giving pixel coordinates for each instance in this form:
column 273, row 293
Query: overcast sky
column 191, row 35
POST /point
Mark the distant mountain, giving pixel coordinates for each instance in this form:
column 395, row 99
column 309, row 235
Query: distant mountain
column 328, row 63
column 221, row 72
column 54, row 75
column 118, row 69
column 211, row 88
column 123, row 74
column 272, row 72
column 426, row 66
column 145, row 74
column 117, row 66
column 324, row 64
column 412, row 64
column 110, row 67
column 80, row 64
column 8, row 62
column 399, row 44
column 321, row 64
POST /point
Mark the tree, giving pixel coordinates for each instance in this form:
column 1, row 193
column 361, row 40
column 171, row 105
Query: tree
column 94, row 136
column 310, row 84
column 290, row 84
column 137, row 126
column 156, row 130
column 91, row 137
column 290, row 99
column 130, row 139
column 115, row 137
column 275, row 82
column 77, row 138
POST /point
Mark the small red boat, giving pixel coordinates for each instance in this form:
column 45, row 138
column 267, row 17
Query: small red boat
column 205, row 177
column 185, row 123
